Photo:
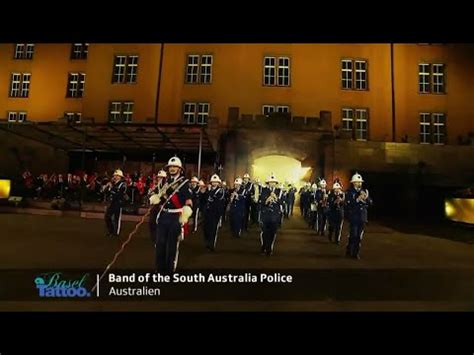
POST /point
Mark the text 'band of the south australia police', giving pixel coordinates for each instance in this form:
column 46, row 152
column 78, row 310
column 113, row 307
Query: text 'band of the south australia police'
column 203, row 278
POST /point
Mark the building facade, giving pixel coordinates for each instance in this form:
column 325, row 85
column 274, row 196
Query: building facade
column 376, row 108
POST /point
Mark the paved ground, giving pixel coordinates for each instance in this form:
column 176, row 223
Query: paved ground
column 398, row 271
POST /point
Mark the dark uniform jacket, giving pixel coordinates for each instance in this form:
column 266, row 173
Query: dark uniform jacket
column 214, row 204
column 357, row 210
column 118, row 193
column 272, row 211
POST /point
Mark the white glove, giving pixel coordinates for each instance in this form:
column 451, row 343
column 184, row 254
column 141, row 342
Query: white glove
column 155, row 199
column 187, row 212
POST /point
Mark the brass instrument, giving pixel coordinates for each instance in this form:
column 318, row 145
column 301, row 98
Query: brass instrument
column 234, row 196
column 364, row 194
column 273, row 198
column 324, row 202
column 339, row 201
column 106, row 187
column 156, row 197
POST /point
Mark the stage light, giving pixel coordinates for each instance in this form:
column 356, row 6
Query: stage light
column 285, row 169
column 5, row 186
column 460, row 210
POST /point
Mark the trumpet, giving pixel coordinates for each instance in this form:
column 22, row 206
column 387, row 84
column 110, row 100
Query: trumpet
column 271, row 199
column 339, row 199
column 324, row 202
column 364, row 194
column 106, row 186
column 234, row 196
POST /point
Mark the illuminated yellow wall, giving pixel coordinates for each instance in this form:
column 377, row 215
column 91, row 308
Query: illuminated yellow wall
column 100, row 90
column 49, row 68
column 457, row 103
column 49, row 74
column 315, row 81
column 237, row 82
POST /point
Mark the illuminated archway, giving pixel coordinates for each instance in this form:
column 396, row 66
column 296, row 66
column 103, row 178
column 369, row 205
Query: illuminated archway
column 285, row 168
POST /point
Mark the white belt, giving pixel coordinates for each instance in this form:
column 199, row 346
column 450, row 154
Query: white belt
column 178, row 210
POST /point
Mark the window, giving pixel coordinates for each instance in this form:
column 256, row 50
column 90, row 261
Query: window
column 283, row 71
column 203, row 113
column 20, row 84
column 268, row 109
column 347, row 119
column 199, row 69
column 276, row 71
column 206, row 69
column 354, row 68
column 125, row 69
column 269, row 71
column 79, row 50
column 12, row 116
column 24, row 51
column 132, row 69
column 127, row 111
column 346, row 74
column 196, row 112
column 425, row 128
column 439, row 128
column 356, row 120
column 16, row 116
column 361, row 124
column 75, row 85
column 74, row 117
column 121, row 111
column 438, row 78
column 283, row 109
column 115, row 111
column 424, row 78
column 189, row 113
column 361, row 75
column 432, row 128
column 192, row 69
column 431, row 78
